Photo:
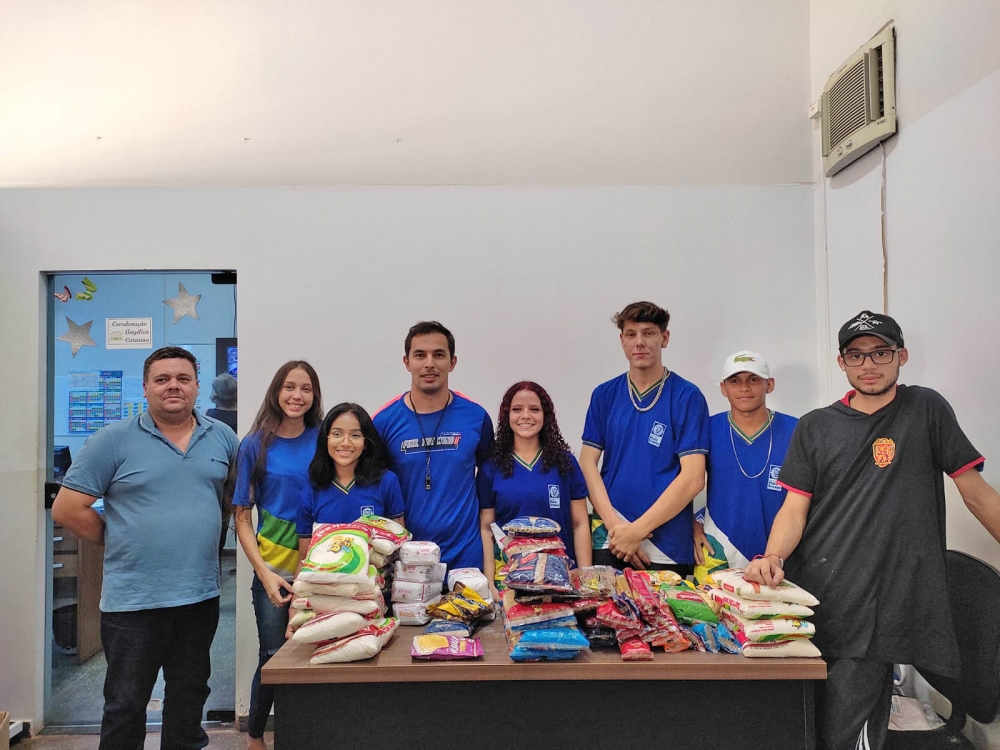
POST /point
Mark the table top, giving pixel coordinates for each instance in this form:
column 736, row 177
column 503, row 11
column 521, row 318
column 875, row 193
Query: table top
column 291, row 665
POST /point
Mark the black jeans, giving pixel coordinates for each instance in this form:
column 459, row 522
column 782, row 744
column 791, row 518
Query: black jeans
column 137, row 645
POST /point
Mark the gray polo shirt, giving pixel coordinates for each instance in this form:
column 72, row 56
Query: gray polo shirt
column 162, row 509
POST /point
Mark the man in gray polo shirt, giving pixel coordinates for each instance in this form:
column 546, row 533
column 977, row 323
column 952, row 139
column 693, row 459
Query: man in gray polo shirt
column 161, row 475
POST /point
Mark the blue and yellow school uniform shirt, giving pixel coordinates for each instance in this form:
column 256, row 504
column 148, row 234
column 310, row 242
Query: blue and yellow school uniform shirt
column 286, row 474
column 743, row 491
column 336, row 503
column 448, row 512
column 642, row 452
column 530, row 491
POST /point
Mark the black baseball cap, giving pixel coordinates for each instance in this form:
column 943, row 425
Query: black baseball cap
column 867, row 323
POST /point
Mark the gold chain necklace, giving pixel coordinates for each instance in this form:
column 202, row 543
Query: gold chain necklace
column 631, row 395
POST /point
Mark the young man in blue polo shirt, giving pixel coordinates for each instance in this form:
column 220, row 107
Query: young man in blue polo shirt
column 435, row 438
column 161, row 475
column 652, row 427
column 747, row 444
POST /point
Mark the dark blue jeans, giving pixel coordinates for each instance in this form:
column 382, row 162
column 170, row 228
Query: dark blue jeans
column 137, row 645
column 271, row 624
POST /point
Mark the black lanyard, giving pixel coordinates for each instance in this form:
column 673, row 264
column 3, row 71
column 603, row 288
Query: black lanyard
column 433, row 438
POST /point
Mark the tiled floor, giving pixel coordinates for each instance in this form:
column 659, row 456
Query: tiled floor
column 219, row 739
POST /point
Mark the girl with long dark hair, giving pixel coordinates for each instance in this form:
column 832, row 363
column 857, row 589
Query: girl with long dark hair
column 271, row 470
column 531, row 472
column 348, row 476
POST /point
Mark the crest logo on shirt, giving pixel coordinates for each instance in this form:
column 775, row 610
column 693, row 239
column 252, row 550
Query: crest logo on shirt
column 883, row 451
column 772, row 477
column 554, row 496
column 656, row 434
column 368, row 510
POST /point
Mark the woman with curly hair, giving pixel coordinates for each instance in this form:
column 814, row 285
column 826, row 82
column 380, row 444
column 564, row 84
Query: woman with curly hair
column 531, row 472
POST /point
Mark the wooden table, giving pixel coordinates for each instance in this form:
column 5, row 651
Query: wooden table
column 680, row 700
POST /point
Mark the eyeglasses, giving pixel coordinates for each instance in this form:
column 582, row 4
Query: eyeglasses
column 878, row 357
column 354, row 436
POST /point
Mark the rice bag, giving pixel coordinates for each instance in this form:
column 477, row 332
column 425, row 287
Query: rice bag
column 689, row 606
column 794, row 647
column 413, row 613
column 420, row 572
column 325, row 605
column 531, row 526
column 767, row 631
column 521, row 544
column 408, row 591
column 754, row 609
column 462, row 604
column 378, row 559
column 596, row 581
column 306, row 588
column 300, row 618
column 732, row 580
column 386, row 534
column 539, row 571
column 635, row 649
column 707, row 635
column 471, row 577
column 329, row 627
column 364, row 644
column 448, row 627
column 439, row 647
column 414, row 553
column 338, row 553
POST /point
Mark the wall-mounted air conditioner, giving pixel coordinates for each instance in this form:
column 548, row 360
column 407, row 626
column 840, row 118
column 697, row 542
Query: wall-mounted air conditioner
column 859, row 103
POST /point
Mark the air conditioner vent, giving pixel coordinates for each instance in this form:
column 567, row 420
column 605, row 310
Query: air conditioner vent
column 859, row 103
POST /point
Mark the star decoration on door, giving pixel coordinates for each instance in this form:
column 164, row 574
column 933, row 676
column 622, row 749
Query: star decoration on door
column 183, row 304
column 77, row 336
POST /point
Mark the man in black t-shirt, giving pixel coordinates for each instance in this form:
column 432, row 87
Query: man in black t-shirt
column 863, row 528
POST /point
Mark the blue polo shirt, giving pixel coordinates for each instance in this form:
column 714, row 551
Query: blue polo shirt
column 338, row 504
column 161, row 509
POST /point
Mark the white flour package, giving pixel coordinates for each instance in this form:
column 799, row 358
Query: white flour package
column 732, row 580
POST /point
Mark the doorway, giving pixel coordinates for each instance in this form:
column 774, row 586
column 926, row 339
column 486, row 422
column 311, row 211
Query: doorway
column 101, row 327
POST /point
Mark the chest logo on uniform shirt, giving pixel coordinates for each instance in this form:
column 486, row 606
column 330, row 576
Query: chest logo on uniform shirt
column 553, row 495
column 772, row 477
column 656, row 434
column 883, row 451
column 368, row 510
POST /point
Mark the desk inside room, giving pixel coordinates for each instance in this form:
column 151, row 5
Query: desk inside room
column 680, row 700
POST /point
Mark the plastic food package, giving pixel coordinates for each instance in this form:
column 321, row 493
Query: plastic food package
column 522, row 544
column 727, row 641
column 696, row 642
column 795, row 647
column 300, row 618
column 439, row 647
column 408, row 591
column 634, row 649
column 420, row 572
column 448, row 627
column 755, row 609
column 378, row 559
column 306, row 588
column 596, row 580
column 329, row 627
column 413, row 613
column 338, row 553
column 471, row 577
column 599, row 636
column 689, row 606
column 732, row 580
column 523, row 653
column 659, row 578
column 325, row 605
column 533, row 614
column 707, row 635
column 462, row 604
column 539, row 571
column 531, row 526
column 555, row 639
column 647, row 601
column 386, row 534
column 673, row 643
column 364, row 644
column 414, row 553
column 767, row 631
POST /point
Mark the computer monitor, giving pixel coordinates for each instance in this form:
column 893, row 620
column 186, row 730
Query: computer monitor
column 61, row 461
column 226, row 355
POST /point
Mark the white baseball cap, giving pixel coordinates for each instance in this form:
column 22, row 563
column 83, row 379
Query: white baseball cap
column 745, row 361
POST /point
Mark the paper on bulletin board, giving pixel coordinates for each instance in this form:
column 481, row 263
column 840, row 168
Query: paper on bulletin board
column 129, row 333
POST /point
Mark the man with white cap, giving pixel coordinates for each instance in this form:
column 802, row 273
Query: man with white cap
column 746, row 447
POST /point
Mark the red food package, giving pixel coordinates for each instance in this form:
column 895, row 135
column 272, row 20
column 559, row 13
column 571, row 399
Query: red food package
column 525, row 544
column 644, row 596
column 610, row 616
column 672, row 643
column 635, row 649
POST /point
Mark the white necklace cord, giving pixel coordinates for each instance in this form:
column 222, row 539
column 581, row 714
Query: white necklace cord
column 658, row 392
column 770, row 445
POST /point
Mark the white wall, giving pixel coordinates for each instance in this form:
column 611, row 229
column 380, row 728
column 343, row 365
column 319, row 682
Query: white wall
column 942, row 187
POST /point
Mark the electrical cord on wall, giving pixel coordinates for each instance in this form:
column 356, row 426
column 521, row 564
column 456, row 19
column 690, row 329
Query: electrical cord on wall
column 885, row 252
